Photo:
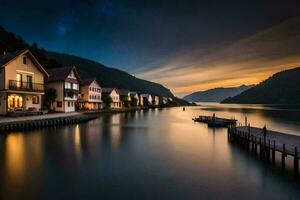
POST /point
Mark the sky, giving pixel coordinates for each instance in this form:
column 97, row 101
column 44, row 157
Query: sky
column 186, row 45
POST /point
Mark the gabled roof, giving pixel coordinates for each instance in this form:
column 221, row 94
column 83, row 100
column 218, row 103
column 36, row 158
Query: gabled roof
column 61, row 73
column 88, row 81
column 8, row 57
column 107, row 90
column 123, row 92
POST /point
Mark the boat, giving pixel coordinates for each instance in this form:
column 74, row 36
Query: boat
column 213, row 121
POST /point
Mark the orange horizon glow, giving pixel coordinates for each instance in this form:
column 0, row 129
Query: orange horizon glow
column 247, row 61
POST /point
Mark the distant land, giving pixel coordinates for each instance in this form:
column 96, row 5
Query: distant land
column 281, row 88
column 106, row 76
column 216, row 94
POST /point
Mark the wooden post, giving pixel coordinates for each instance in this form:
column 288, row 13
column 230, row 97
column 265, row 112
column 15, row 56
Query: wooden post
column 273, row 152
column 283, row 157
column 268, row 151
column 252, row 142
column 296, row 162
column 255, row 145
column 260, row 148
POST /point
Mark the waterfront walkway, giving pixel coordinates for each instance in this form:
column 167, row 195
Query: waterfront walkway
column 4, row 120
column 280, row 139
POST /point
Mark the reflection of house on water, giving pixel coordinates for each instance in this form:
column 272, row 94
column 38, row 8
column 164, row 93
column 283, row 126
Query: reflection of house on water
column 17, row 165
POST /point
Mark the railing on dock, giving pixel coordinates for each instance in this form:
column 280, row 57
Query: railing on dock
column 266, row 147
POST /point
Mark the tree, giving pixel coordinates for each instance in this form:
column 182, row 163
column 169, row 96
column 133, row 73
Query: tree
column 146, row 101
column 125, row 101
column 107, row 101
column 50, row 96
column 134, row 102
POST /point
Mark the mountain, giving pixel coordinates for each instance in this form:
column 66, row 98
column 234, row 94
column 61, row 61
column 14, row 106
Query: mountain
column 216, row 94
column 107, row 77
column 281, row 88
column 110, row 77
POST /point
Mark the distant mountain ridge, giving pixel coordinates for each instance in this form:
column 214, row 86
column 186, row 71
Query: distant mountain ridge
column 281, row 88
column 216, row 94
column 107, row 77
column 110, row 77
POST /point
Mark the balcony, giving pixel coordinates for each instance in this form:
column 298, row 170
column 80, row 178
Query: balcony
column 26, row 86
column 71, row 91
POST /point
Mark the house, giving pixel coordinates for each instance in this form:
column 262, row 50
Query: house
column 90, row 95
column 147, row 99
column 21, row 82
column 155, row 100
column 125, row 97
column 135, row 99
column 164, row 100
column 65, row 80
column 114, row 95
column 141, row 100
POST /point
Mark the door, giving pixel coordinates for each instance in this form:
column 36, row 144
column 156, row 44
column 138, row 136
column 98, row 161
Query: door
column 29, row 81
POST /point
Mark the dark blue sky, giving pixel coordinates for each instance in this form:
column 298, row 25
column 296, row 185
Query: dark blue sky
column 137, row 36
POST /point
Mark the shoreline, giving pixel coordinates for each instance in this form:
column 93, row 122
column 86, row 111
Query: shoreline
column 8, row 124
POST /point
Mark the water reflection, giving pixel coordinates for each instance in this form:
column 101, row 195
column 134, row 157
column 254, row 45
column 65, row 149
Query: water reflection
column 154, row 154
column 278, row 117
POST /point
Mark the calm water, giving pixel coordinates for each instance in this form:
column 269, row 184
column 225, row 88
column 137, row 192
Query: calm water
column 155, row 154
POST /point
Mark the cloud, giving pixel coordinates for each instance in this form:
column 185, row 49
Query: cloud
column 245, row 61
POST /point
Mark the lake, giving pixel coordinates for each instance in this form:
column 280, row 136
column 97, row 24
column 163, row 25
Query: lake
column 150, row 154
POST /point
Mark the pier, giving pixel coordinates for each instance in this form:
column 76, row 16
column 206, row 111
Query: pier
column 265, row 144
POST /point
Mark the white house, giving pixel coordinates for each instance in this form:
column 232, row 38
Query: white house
column 113, row 94
column 90, row 95
column 21, row 82
column 134, row 95
column 147, row 98
column 65, row 80
column 155, row 100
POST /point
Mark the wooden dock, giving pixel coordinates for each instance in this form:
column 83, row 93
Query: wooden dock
column 267, row 144
column 213, row 121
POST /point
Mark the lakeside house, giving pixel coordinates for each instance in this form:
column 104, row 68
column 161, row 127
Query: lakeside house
column 155, row 101
column 125, row 97
column 135, row 100
column 21, row 82
column 114, row 95
column 65, row 80
column 147, row 99
column 164, row 100
column 90, row 95
column 141, row 100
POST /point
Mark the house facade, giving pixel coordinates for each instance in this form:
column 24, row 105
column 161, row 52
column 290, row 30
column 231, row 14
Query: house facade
column 65, row 80
column 125, row 97
column 155, row 100
column 21, row 82
column 90, row 95
column 114, row 95
column 146, row 98
column 135, row 99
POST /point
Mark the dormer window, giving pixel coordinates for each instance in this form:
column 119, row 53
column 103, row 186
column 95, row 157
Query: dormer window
column 24, row 60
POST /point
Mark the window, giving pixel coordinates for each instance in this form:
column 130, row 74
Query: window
column 35, row 100
column 59, row 104
column 72, row 104
column 68, row 103
column 90, row 89
column 75, row 86
column 67, row 85
column 24, row 60
column 29, row 81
